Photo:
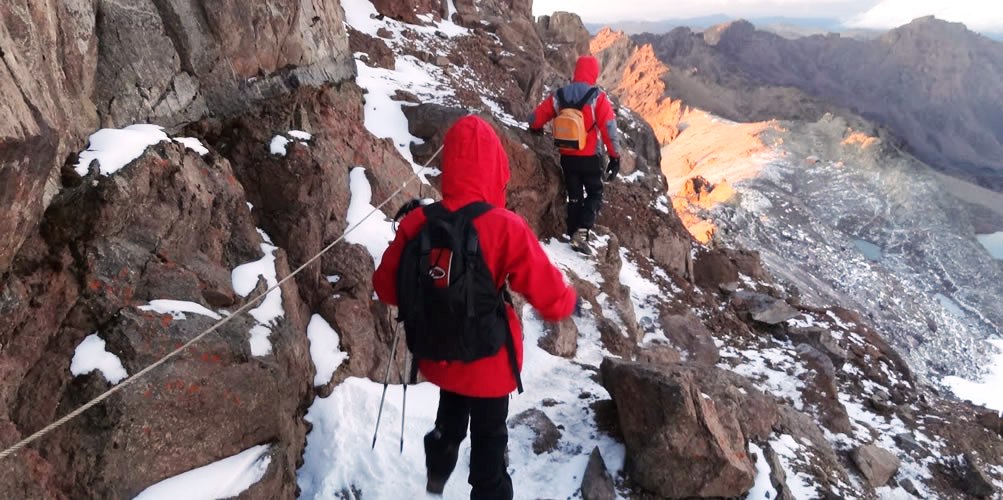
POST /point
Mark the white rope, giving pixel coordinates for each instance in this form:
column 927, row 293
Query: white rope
column 121, row 385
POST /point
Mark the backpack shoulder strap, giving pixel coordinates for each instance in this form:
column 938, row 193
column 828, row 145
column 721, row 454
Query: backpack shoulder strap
column 588, row 97
column 435, row 211
column 474, row 210
column 559, row 96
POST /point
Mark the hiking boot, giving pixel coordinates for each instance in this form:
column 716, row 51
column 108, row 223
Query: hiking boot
column 435, row 485
column 580, row 241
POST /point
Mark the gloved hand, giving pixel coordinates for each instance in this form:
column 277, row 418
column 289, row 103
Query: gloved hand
column 612, row 169
column 578, row 307
column 536, row 131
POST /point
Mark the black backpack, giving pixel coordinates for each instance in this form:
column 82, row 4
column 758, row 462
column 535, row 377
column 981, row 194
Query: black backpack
column 448, row 301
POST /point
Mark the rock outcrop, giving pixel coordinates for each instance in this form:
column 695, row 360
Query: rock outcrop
column 679, row 445
column 159, row 61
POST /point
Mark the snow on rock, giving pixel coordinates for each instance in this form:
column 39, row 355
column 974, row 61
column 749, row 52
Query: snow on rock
column 116, row 148
column 278, row 145
column 301, row 135
column 986, row 392
column 325, row 352
column 193, row 144
column 91, row 355
column 790, row 453
column 763, row 489
column 245, row 279
column 338, row 456
column 178, row 308
column 567, row 259
column 375, row 229
column 226, row 478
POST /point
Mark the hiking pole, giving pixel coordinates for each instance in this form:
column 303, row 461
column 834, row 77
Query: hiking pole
column 407, row 373
column 386, row 380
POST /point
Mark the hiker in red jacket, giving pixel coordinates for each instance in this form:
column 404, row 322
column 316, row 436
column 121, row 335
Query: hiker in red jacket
column 475, row 169
column 583, row 168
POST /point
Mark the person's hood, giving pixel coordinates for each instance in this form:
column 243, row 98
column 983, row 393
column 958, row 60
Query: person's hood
column 587, row 70
column 474, row 164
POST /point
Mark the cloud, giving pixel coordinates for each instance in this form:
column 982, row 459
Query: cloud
column 978, row 15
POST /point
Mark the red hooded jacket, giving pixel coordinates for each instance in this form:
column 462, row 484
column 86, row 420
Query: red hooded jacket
column 599, row 117
column 475, row 168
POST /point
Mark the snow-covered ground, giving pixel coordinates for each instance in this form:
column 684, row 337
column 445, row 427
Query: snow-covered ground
column 338, row 457
column 987, row 392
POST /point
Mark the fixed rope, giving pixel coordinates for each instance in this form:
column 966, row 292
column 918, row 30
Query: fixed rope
column 129, row 380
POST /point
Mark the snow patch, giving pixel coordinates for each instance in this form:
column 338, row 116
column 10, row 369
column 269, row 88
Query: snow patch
column 193, row 144
column 993, row 243
column 301, row 135
column 791, row 452
column 324, row 349
column 376, row 230
column 245, row 279
column 278, row 145
column 91, row 355
column 178, row 308
column 115, row 148
column 226, row 478
column 763, row 488
column 986, row 392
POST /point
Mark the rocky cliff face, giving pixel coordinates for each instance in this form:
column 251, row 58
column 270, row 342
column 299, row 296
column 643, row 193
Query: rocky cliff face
column 933, row 84
column 77, row 66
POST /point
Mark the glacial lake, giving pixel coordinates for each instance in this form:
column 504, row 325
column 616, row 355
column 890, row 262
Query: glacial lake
column 993, row 242
column 870, row 250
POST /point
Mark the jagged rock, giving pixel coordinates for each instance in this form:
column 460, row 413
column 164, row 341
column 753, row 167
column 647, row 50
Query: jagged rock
column 564, row 38
column 763, row 308
column 597, row 484
column 878, row 465
column 408, row 12
column 908, row 443
column 377, row 51
column 821, row 390
column 991, row 420
column 712, row 268
column 560, row 338
column 614, row 338
column 168, row 216
column 547, row 434
column 973, row 480
column 819, row 338
column 678, row 444
column 658, row 355
column 910, row 487
column 690, row 335
column 778, row 478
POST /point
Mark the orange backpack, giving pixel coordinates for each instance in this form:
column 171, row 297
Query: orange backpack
column 569, row 125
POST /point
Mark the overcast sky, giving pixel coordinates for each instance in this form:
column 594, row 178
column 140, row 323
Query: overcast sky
column 980, row 15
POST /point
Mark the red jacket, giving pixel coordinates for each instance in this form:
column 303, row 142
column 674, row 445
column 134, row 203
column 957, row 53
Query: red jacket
column 475, row 168
column 599, row 117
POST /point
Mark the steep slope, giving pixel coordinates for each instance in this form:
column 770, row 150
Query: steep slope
column 933, row 84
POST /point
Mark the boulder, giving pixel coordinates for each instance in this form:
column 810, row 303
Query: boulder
column 658, row 355
column 678, row 444
column 597, row 484
column 763, row 308
column 688, row 333
column 973, row 479
column 547, row 435
column 878, row 465
column 560, row 338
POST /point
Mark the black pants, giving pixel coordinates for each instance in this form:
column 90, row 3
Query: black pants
column 583, row 180
column 488, row 441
